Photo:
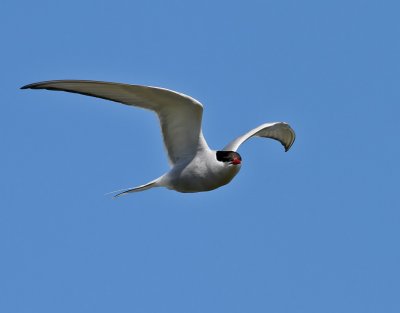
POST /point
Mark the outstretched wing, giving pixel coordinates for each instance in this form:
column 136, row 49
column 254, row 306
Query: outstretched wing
column 279, row 131
column 180, row 115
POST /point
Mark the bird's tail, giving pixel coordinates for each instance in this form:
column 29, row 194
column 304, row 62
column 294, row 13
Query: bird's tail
column 152, row 184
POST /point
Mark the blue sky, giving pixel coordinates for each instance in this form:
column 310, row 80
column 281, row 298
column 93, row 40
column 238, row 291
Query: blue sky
column 312, row 230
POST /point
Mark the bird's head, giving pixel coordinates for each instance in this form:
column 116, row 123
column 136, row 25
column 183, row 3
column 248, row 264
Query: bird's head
column 229, row 157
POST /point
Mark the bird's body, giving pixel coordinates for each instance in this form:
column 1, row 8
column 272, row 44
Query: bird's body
column 194, row 166
column 203, row 173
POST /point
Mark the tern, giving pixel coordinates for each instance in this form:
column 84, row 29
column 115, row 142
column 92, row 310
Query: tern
column 194, row 166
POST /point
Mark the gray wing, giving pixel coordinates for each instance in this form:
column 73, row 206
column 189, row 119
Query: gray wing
column 279, row 131
column 180, row 115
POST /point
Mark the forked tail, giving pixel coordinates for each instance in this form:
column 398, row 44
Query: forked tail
column 152, row 184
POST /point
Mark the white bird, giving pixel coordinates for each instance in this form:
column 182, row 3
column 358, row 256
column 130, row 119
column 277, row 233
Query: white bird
column 194, row 166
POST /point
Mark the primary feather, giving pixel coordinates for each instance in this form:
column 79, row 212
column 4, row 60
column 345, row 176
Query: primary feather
column 180, row 115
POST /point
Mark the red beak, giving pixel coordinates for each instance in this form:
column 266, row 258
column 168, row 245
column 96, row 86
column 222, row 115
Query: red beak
column 236, row 161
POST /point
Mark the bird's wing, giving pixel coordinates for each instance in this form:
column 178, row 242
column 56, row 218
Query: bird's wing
column 180, row 115
column 279, row 131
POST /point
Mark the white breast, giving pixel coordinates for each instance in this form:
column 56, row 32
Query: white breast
column 203, row 173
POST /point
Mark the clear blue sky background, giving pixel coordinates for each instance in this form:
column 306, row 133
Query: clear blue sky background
column 312, row 230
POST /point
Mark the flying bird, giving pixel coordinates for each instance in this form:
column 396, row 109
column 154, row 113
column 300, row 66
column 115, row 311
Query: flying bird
column 194, row 166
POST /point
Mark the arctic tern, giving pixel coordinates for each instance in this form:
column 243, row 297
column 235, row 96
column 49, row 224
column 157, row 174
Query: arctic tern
column 194, row 166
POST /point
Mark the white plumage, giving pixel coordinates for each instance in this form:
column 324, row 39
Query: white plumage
column 195, row 167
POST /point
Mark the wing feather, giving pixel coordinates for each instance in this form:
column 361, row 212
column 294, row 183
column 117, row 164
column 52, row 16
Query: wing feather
column 279, row 131
column 180, row 115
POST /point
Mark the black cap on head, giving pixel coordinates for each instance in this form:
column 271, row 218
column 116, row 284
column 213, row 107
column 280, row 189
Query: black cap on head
column 228, row 156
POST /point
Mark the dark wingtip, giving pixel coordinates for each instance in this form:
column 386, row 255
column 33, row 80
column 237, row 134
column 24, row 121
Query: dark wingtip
column 38, row 85
column 287, row 148
column 29, row 86
column 119, row 194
